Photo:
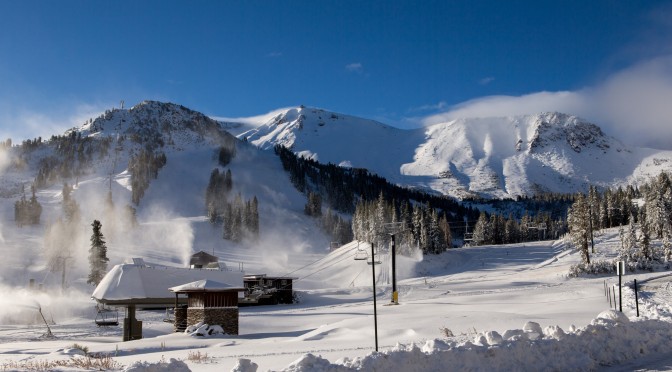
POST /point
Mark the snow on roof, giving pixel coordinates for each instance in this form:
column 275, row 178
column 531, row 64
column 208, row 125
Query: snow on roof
column 127, row 282
column 205, row 285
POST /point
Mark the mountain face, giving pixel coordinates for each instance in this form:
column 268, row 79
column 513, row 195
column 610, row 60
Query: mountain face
column 489, row 157
column 96, row 160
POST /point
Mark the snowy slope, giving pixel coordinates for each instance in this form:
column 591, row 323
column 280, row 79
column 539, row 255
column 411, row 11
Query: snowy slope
column 491, row 157
column 490, row 297
column 171, row 215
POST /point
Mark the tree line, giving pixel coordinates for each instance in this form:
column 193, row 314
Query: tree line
column 239, row 218
column 642, row 215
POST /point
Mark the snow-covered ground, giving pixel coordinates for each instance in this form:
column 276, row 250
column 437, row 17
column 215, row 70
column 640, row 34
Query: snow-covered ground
column 507, row 307
column 469, row 292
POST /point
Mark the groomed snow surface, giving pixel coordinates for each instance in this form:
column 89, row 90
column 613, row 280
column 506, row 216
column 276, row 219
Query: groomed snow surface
column 508, row 308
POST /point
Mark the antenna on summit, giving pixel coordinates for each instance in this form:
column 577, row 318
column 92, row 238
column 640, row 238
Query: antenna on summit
column 122, row 104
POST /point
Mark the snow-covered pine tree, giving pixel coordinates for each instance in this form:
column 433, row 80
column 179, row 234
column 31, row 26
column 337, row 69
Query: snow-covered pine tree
column 436, row 242
column 227, row 225
column 510, row 231
column 578, row 220
column 444, row 226
column 254, row 218
column 97, row 255
column 481, row 230
column 628, row 242
column 644, row 236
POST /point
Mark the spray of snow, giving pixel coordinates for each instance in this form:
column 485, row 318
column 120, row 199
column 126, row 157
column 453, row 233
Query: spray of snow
column 21, row 306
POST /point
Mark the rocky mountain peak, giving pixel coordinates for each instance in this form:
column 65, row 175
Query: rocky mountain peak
column 562, row 129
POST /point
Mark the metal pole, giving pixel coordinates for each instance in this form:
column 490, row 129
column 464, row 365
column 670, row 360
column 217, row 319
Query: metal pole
column 395, row 294
column 592, row 243
column 609, row 296
column 636, row 299
column 375, row 312
column 613, row 292
column 620, row 296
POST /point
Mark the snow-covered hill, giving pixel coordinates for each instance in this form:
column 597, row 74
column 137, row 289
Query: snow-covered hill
column 171, row 214
column 489, row 157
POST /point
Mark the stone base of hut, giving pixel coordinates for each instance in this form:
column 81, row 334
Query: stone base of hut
column 225, row 317
column 180, row 321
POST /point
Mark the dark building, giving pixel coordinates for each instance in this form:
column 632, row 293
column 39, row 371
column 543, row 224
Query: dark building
column 267, row 290
column 202, row 260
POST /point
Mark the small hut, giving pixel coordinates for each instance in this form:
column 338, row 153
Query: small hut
column 201, row 260
column 210, row 302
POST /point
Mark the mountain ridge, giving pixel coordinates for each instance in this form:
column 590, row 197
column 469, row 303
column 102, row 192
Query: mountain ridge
column 501, row 157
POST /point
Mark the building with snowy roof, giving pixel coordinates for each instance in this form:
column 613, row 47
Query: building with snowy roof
column 138, row 285
column 208, row 302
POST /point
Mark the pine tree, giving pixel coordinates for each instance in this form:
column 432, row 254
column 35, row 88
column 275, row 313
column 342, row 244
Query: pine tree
column 444, row 226
column 645, row 237
column 97, row 255
column 578, row 219
column 254, row 218
column 481, row 230
column 436, row 242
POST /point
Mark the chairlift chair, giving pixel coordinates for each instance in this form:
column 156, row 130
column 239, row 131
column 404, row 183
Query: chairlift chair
column 107, row 317
column 375, row 260
column 360, row 254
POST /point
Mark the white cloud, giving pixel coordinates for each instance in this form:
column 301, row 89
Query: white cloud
column 274, row 54
column 355, row 67
column 633, row 105
column 441, row 105
column 493, row 106
column 486, row 80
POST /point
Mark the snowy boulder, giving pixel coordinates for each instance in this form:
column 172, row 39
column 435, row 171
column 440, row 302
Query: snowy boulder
column 533, row 330
column 193, row 328
column 493, row 338
column 513, row 334
column 245, row 365
column 204, row 330
column 614, row 316
column 436, row 345
column 173, row 365
column 310, row 362
column 481, row 340
column 554, row 332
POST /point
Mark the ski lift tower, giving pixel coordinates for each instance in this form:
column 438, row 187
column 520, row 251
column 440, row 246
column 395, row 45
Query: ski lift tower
column 392, row 229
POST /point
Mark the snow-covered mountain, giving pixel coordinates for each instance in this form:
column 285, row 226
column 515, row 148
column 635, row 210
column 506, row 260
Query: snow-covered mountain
column 94, row 159
column 487, row 157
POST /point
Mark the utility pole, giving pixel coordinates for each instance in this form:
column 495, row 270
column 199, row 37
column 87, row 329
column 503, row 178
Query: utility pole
column 592, row 242
column 375, row 311
column 394, row 228
column 395, row 294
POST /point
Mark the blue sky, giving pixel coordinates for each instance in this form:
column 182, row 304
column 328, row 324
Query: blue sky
column 406, row 63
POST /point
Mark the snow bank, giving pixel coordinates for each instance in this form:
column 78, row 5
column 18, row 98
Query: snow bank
column 611, row 338
column 173, row 365
column 245, row 365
